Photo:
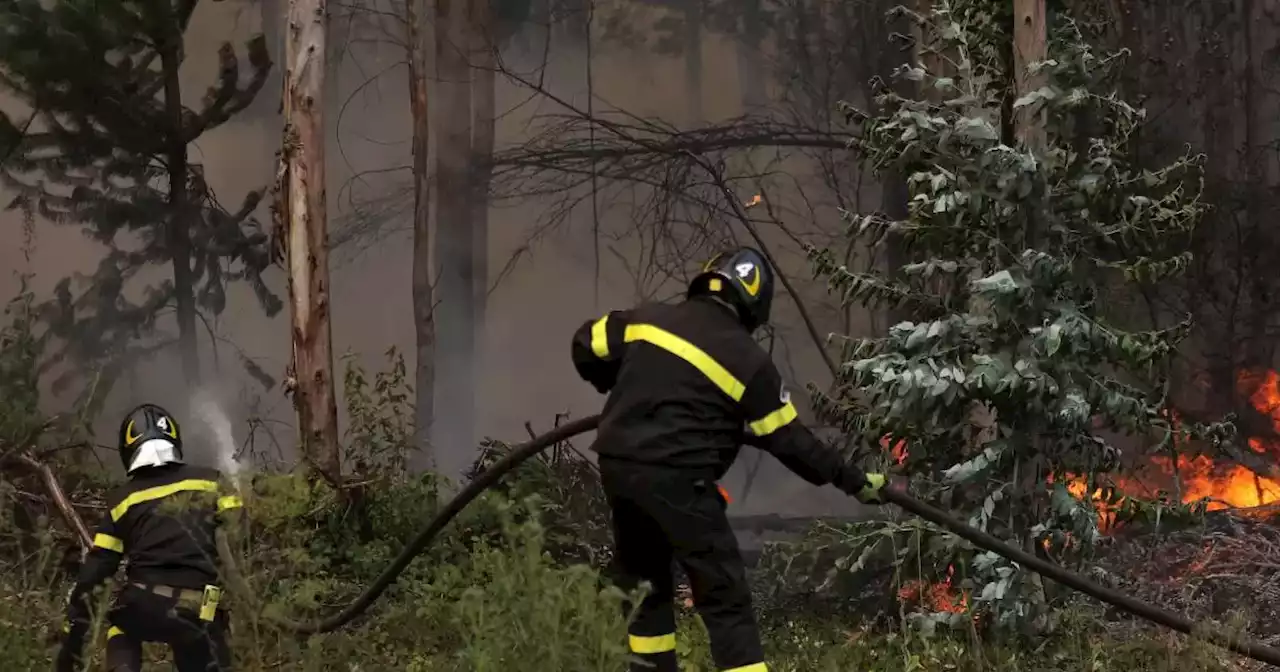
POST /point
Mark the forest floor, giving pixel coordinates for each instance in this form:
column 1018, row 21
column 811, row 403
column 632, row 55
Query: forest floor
column 512, row 586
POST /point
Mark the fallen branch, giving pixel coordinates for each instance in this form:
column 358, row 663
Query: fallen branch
column 59, row 496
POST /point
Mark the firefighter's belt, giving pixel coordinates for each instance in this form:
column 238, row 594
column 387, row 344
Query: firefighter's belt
column 205, row 602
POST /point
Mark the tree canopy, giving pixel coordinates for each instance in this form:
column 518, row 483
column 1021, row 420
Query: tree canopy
column 107, row 152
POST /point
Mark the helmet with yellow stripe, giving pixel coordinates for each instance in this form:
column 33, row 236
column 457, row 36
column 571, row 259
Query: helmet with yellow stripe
column 149, row 437
column 743, row 279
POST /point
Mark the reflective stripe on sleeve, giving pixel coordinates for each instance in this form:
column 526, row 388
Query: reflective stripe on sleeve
column 754, row 667
column 600, row 337
column 774, row 421
column 229, row 502
column 108, row 542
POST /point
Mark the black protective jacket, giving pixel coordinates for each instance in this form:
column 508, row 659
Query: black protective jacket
column 688, row 386
column 163, row 519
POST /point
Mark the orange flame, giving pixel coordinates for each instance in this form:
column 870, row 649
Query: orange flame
column 898, row 451
column 755, row 200
column 1199, row 477
column 940, row 596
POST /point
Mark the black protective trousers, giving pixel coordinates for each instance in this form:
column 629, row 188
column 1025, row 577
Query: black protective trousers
column 141, row 616
column 662, row 514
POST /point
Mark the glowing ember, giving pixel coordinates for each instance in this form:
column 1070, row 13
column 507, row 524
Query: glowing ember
column 941, row 596
column 755, row 200
column 898, row 451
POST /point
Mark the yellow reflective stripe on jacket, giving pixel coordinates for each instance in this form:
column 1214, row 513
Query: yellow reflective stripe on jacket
column 754, row 667
column 229, row 502
column 689, row 353
column 108, row 542
column 774, row 421
column 189, row 485
column 600, row 337
column 650, row 645
column 113, row 631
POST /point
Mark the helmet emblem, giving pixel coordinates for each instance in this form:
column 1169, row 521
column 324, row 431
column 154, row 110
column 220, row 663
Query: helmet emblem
column 166, row 425
column 750, row 277
column 129, row 436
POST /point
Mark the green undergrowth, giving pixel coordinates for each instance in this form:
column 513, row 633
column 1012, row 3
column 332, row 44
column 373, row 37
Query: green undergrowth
column 494, row 595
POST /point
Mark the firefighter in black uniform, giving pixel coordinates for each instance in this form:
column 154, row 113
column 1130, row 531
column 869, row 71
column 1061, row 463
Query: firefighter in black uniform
column 687, row 386
column 164, row 520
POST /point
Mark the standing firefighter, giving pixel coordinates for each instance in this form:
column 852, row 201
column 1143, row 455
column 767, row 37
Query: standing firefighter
column 164, row 519
column 684, row 382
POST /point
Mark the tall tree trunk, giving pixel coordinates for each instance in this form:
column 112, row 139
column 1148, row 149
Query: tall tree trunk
column 179, row 213
column 454, row 426
column 1030, row 45
column 267, row 108
column 307, row 240
column 693, row 61
column 751, row 70
column 485, row 59
column 423, row 291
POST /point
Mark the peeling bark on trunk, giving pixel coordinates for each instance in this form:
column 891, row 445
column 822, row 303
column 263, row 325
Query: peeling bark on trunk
column 454, row 426
column 178, row 233
column 485, row 59
column 307, row 238
column 423, row 291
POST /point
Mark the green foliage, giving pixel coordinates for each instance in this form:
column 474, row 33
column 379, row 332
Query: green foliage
column 379, row 418
column 507, row 599
column 1012, row 378
column 516, row 607
column 20, row 351
column 108, row 153
column 573, row 510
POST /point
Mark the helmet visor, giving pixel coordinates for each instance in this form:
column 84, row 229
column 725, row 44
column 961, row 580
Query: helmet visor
column 154, row 453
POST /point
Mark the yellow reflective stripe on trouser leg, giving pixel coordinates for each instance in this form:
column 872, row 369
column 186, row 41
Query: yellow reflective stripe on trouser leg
column 774, row 421
column 108, row 542
column 754, row 667
column 690, row 353
column 650, row 645
column 113, row 631
column 600, row 337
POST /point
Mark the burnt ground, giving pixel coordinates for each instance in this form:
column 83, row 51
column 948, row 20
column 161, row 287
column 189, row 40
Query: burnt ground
column 1225, row 569
column 1228, row 567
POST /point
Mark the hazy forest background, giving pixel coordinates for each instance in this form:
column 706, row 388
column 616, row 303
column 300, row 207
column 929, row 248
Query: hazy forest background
column 1036, row 232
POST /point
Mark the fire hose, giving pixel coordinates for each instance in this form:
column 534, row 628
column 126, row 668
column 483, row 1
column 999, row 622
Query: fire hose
column 489, row 477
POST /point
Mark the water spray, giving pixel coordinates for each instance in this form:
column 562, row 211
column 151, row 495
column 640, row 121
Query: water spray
column 208, row 410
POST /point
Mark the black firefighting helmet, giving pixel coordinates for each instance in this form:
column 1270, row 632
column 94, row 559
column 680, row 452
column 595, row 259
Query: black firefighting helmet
column 149, row 437
column 742, row 278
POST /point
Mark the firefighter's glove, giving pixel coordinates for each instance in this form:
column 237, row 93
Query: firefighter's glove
column 870, row 493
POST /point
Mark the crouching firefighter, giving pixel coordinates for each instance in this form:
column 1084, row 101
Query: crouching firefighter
column 163, row 520
column 687, row 386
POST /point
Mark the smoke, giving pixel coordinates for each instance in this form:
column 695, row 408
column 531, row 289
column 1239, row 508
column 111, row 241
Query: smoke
column 213, row 425
column 524, row 373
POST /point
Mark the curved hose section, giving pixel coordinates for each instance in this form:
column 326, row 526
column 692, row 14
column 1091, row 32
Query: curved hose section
column 524, row 451
column 1168, row 619
column 419, row 543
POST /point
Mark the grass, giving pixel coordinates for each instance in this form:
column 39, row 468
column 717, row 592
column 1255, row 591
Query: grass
column 492, row 597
